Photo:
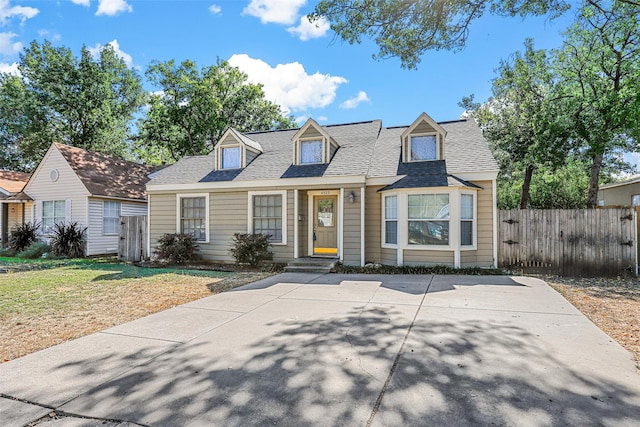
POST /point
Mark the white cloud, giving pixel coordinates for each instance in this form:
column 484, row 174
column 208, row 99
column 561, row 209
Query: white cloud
column 322, row 118
column 215, row 9
column 307, row 30
column 289, row 85
column 7, row 45
column 10, row 68
column 128, row 60
column 23, row 12
column 276, row 11
column 113, row 7
column 355, row 101
column 81, row 2
column 53, row 36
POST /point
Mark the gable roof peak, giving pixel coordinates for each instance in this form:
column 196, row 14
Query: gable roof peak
column 241, row 138
column 310, row 123
column 424, row 118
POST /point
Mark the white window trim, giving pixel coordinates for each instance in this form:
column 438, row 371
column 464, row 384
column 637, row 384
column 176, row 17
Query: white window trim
column 103, row 217
column 179, row 197
column 436, row 134
column 299, row 142
column 282, row 193
column 384, row 222
column 474, row 231
column 219, row 156
column 453, row 213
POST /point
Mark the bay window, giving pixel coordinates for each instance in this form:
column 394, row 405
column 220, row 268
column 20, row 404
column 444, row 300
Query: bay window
column 467, row 217
column 391, row 220
column 428, row 219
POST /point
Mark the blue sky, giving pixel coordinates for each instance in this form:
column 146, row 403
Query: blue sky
column 305, row 69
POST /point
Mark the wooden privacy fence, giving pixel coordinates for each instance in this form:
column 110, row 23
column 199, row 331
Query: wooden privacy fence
column 133, row 238
column 571, row 242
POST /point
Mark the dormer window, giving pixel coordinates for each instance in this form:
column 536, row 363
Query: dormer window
column 235, row 150
column 230, row 158
column 312, row 144
column 423, row 140
column 311, row 151
column 424, row 147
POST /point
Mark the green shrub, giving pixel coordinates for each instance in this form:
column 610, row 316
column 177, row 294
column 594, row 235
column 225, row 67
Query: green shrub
column 7, row 252
column 177, row 248
column 22, row 235
column 35, row 250
column 251, row 249
column 69, row 240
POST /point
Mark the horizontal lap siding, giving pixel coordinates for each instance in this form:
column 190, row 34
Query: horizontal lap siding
column 389, row 256
column 303, row 225
column 468, row 258
column 162, row 216
column 99, row 243
column 227, row 216
column 351, row 227
column 373, row 229
column 484, row 254
column 415, row 257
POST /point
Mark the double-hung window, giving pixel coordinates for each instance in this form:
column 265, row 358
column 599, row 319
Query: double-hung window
column 467, row 216
column 230, row 158
column 53, row 212
column 111, row 217
column 423, row 147
column 428, row 219
column 267, row 216
column 193, row 217
column 310, row 152
column 391, row 220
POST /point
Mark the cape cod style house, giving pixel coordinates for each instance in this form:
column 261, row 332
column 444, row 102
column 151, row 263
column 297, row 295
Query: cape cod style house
column 93, row 189
column 418, row 194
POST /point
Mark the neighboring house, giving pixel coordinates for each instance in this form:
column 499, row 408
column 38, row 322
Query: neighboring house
column 625, row 193
column 359, row 192
column 12, row 208
column 93, row 189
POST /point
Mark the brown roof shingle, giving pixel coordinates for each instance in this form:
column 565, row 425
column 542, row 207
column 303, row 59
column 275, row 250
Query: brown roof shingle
column 13, row 182
column 108, row 176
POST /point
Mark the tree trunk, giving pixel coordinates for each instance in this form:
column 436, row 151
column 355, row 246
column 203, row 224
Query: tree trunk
column 526, row 186
column 596, row 164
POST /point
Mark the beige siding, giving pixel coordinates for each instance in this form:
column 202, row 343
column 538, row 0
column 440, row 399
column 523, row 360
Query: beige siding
column 423, row 127
column 250, row 155
column 99, row 243
column 468, row 258
column 619, row 196
column 388, row 256
column 67, row 187
column 373, row 228
column 415, row 257
column 162, row 216
column 484, row 253
column 303, row 225
column 351, row 227
column 311, row 132
column 15, row 214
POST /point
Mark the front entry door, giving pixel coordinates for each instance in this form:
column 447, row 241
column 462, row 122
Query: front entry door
column 325, row 227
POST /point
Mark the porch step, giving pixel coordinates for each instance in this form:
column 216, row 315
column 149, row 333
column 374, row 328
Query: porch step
column 311, row 265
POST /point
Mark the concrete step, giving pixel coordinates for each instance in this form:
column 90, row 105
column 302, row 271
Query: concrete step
column 312, row 265
column 307, row 269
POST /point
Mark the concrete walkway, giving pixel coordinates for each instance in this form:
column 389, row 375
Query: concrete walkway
column 356, row 350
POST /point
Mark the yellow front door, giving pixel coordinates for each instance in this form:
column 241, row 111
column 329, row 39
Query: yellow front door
column 325, row 227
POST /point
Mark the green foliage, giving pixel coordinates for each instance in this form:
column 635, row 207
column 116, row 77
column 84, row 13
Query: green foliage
column 69, row 240
column 251, row 249
column 599, row 74
column 196, row 106
column 551, row 188
column 419, row 269
column 22, row 235
column 35, row 250
column 86, row 102
column 176, row 248
column 407, row 29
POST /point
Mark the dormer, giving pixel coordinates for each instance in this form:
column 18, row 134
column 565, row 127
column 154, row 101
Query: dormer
column 235, row 150
column 423, row 140
column 313, row 145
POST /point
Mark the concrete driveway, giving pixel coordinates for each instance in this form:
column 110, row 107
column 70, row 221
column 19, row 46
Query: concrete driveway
column 356, row 350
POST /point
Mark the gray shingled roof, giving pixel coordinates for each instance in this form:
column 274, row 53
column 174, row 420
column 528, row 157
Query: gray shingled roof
column 366, row 149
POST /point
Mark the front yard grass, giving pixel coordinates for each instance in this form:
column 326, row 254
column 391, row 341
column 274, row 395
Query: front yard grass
column 47, row 302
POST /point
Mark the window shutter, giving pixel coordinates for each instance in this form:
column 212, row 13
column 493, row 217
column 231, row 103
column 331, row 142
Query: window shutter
column 38, row 214
column 67, row 214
